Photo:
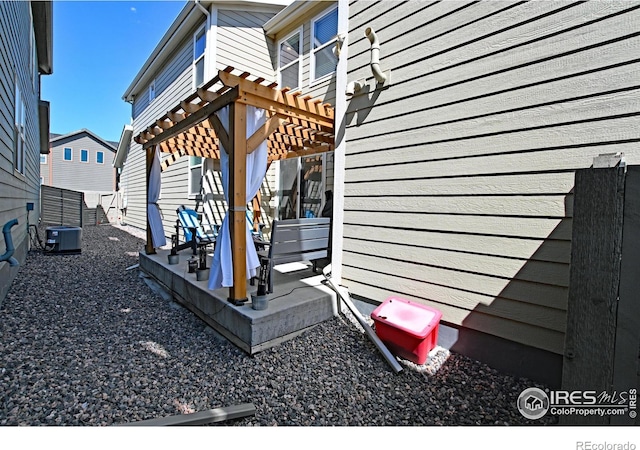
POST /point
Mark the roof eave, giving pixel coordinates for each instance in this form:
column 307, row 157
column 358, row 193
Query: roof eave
column 165, row 46
column 291, row 14
column 123, row 147
column 43, row 30
column 83, row 130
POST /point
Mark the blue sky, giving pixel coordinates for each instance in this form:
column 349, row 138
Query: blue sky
column 98, row 48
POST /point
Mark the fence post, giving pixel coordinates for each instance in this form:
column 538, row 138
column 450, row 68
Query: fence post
column 594, row 278
column 603, row 313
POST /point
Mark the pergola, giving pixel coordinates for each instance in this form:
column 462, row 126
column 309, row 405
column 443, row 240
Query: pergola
column 295, row 125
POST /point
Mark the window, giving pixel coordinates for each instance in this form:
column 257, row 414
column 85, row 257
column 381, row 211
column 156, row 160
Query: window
column 152, row 91
column 324, row 36
column 84, row 155
column 33, row 63
column 199, row 45
column 100, row 157
column 195, row 175
column 43, row 159
column 67, row 154
column 20, row 140
column 289, row 65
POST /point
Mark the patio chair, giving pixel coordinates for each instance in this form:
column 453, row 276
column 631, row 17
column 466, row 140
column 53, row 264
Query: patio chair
column 194, row 234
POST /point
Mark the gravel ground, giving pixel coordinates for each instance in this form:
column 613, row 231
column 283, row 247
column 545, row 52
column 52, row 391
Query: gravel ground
column 84, row 341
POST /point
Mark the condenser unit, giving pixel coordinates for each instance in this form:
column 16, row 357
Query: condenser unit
column 64, row 239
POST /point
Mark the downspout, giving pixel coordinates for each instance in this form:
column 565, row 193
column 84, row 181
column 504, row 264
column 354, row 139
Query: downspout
column 8, row 240
column 375, row 55
column 206, row 12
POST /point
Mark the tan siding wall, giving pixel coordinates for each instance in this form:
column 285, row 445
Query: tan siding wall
column 459, row 176
column 17, row 189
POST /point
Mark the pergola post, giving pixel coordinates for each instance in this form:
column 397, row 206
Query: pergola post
column 238, row 201
column 149, row 250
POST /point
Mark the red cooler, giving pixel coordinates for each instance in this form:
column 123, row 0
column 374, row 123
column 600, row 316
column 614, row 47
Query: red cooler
column 408, row 329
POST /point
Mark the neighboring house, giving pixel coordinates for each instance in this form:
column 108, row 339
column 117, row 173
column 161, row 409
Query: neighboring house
column 458, row 174
column 205, row 37
column 260, row 38
column 25, row 54
column 79, row 161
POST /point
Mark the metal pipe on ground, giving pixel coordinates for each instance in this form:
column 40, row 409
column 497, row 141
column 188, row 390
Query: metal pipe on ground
column 199, row 418
column 388, row 356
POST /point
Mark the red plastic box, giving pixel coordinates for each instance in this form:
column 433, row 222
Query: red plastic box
column 408, row 329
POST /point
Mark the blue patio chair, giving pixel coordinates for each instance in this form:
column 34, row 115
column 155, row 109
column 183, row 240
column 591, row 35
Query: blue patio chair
column 188, row 220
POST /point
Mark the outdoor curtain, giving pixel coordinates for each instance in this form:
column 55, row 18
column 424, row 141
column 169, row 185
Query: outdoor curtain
column 153, row 210
column 222, row 267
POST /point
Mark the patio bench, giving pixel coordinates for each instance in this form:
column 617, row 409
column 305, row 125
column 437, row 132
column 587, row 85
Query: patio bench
column 294, row 240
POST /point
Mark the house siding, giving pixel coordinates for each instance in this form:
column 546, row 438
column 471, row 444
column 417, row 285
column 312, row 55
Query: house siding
column 239, row 42
column 16, row 190
column 242, row 44
column 459, row 175
column 324, row 88
column 76, row 175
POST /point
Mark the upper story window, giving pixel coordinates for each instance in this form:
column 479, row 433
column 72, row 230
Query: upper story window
column 20, row 135
column 289, row 64
column 67, row 154
column 199, row 45
column 100, row 157
column 43, row 159
column 324, row 34
column 84, row 155
column 152, row 91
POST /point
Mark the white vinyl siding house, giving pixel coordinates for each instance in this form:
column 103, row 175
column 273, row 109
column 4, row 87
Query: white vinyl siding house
column 459, row 174
column 76, row 162
column 191, row 52
column 25, row 54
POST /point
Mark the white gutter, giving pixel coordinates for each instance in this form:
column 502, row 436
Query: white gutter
column 123, row 147
column 287, row 16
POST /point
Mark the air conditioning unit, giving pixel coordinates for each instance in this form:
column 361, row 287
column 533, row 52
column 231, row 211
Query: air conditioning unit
column 64, row 239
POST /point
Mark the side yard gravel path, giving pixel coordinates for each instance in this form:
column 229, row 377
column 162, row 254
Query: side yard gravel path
column 83, row 341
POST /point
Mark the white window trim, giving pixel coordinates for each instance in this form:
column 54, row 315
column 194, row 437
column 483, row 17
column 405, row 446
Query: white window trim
column 196, row 60
column 192, row 195
column 43, row 159
column 312, row 52
column 300, row 55
column 33, row 65
column 99, row 153
column 152, row 91
column 63, row 152
column 84, row 150
column 19, row 128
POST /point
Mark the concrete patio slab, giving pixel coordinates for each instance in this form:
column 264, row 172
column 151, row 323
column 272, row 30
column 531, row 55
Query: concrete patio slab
column 299, row 302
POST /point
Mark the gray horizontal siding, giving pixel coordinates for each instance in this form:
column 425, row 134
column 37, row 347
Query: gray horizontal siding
column 241, row 43
column 16, row 190
column 459, row 176
column 81, row 176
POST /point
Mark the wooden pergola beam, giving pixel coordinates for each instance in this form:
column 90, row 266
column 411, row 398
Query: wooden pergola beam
column 297, row 125
column 195, row 118
column 238, row 201
column 263, row 133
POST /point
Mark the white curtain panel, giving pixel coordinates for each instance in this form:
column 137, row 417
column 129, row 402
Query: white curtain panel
column 222, row 267
column 153, row 210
